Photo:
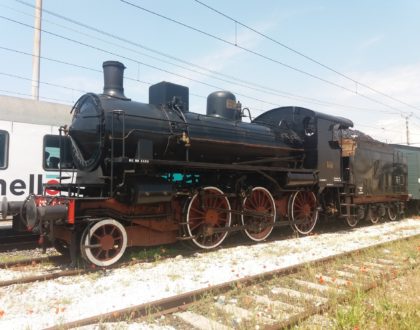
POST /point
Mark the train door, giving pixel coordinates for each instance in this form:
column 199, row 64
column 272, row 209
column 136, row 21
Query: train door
column 413, row 178
column 57, row 161
column 329, row 154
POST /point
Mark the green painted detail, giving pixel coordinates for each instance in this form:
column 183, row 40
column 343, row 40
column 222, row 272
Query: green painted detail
column 413, row 167
column 413, row 170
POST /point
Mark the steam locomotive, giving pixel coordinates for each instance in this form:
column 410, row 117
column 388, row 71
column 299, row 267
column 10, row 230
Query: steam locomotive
column 155, row 173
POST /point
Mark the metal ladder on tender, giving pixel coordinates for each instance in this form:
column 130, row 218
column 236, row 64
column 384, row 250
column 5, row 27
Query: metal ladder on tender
column 347, row 206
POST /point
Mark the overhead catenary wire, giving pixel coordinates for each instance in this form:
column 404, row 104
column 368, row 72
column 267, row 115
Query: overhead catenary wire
column 90, row 69
column 78, row 23
column 11, row 75
column 266, row 57
column 329, row 68
column 7, row 91
column 140, row 62
column 213, row 74
column 380, row 128
column 70, row 64
column 134, row 60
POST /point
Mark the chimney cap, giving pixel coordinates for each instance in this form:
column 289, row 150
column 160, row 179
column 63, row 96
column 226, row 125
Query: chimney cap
column 113, row 63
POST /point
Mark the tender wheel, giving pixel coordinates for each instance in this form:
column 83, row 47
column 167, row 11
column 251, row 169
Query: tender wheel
column 372, row 215
column 303, row 212
column 260, row 214
column 207, row 212
column 352, row 220
column 104, row 243
column 392, row 211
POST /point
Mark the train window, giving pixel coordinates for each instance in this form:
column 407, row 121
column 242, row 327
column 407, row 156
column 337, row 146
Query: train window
column 309, row 126
column 4, row 149
column 57, row 153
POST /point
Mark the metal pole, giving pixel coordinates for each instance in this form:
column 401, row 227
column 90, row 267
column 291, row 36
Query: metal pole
column 37, row 50
column 407, row 129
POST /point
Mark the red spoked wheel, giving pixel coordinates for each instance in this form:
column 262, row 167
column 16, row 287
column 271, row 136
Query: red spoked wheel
column 259, row 214
column 208, row 213
column 303, row 211
column 104, row 242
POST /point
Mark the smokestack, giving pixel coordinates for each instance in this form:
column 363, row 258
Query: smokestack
column 113, row 79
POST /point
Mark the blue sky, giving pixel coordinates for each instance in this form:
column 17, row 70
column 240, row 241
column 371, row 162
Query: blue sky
column 373, row 42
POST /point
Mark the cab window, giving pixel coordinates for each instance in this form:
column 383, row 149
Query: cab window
column 4, row 149
column 57, row 153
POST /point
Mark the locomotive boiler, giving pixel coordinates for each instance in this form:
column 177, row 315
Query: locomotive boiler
column 165, row 129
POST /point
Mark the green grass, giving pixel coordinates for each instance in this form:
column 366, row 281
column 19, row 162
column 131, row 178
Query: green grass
column 394, row 305
column 151, row 253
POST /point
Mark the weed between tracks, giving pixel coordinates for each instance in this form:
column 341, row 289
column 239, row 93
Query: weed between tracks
column 393, row 305
column 152, row 253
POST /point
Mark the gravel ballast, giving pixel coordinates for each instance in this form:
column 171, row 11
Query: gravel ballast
column 43, row 304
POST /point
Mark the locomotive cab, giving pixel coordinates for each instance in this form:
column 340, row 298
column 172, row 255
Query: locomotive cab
column 320, row 133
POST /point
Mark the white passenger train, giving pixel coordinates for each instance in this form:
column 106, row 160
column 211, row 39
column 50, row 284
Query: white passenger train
column 30, row 147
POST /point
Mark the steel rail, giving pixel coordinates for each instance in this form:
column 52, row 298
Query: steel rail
column 30, row 261
column 45, row 277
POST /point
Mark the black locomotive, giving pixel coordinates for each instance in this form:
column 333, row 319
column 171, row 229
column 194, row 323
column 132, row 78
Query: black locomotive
column 156, row 173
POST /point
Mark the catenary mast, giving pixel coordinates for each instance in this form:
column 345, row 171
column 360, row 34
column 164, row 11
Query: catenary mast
column 36, row 50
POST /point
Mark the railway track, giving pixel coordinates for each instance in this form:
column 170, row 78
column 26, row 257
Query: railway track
column 272, row 300
column 60, row 262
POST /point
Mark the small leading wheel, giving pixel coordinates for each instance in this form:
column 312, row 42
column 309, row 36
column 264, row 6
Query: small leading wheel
column 104, row 243
column 372, row 214
column 392, row 211
column 208, row 213
column 260, row 214
column 303, row 212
